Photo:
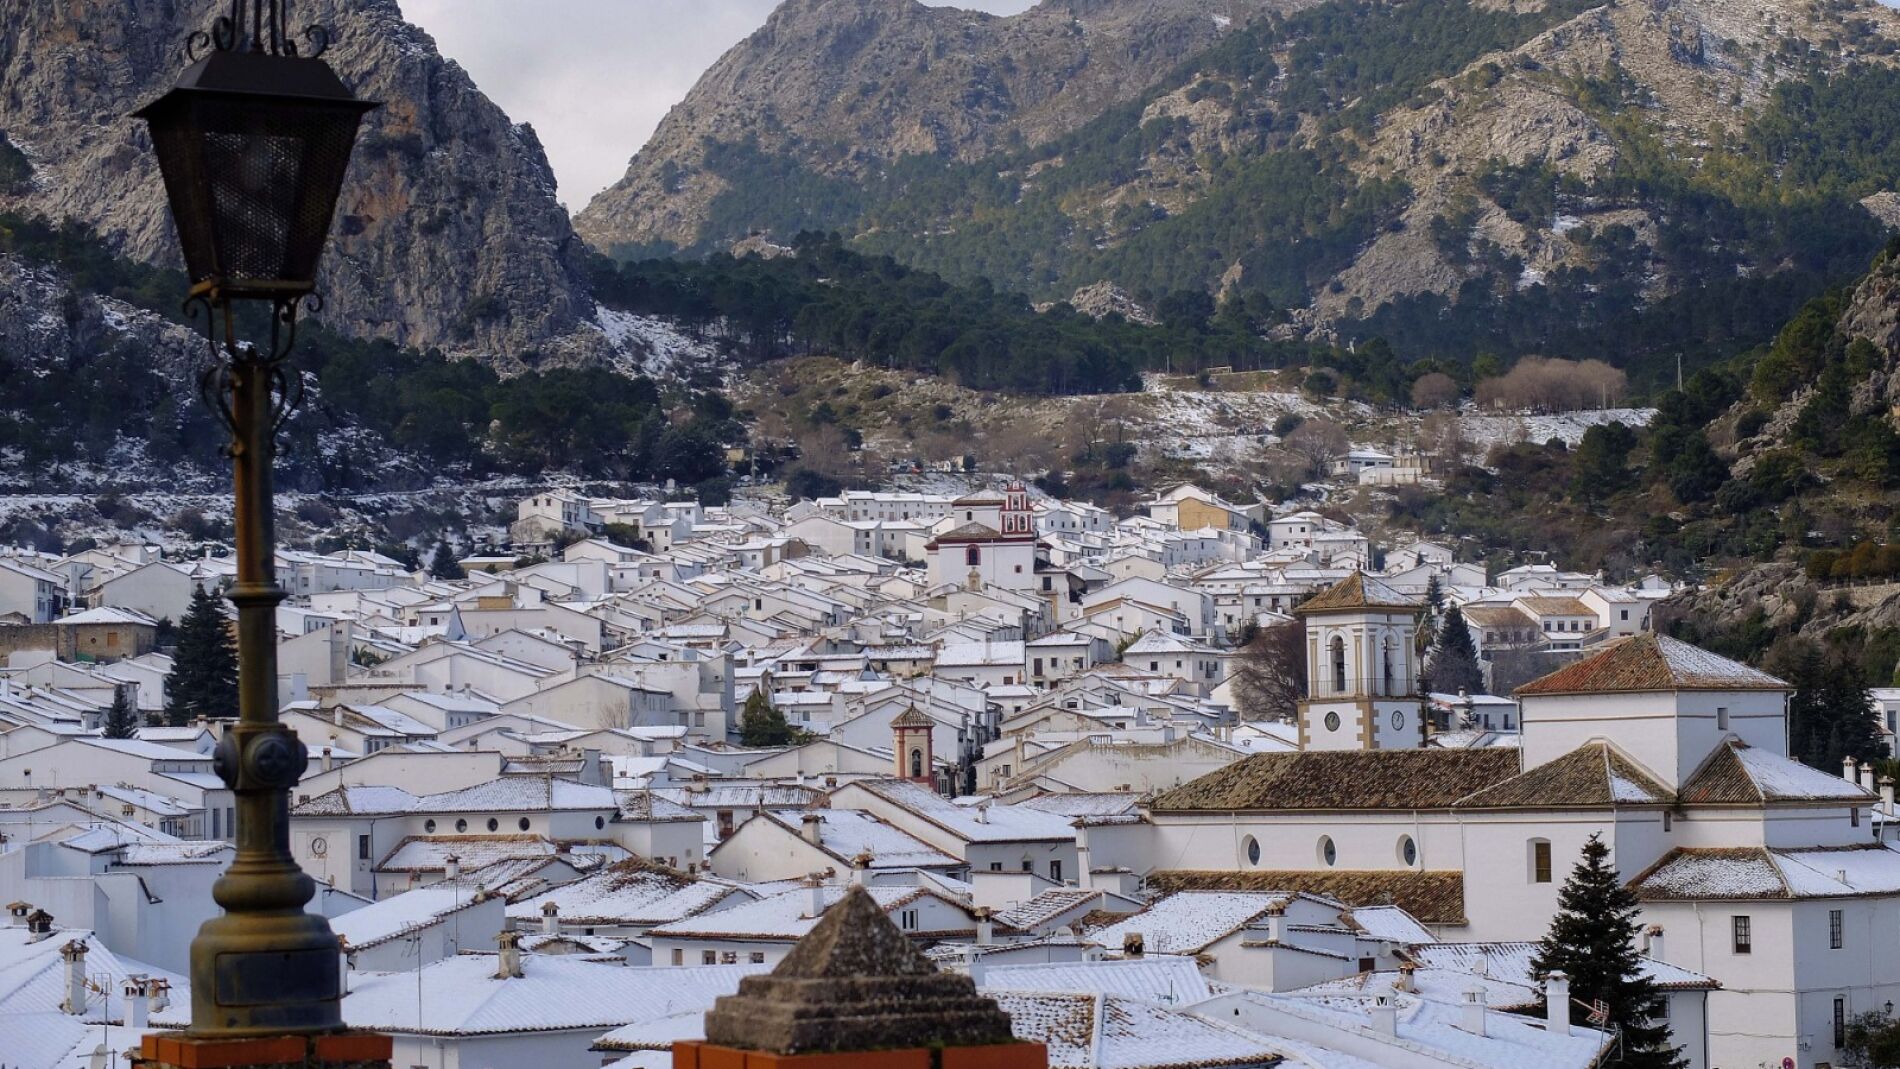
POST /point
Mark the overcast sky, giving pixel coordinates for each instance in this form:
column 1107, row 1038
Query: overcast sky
column 594, row 77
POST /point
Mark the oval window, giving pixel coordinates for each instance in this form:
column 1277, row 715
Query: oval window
column 1253, row 851
column 1328, row 853
column 1398, row 719
column 428, row 827
column 599, row 823
column 493, row 824
column 1332, row 721
column 524, row 823
column 461, row 826
column 1408, row 851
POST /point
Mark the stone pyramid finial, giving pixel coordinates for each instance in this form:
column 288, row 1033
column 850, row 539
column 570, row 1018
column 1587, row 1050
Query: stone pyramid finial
column 855, row 983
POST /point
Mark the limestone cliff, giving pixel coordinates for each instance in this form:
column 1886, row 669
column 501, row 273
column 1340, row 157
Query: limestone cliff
column 448, row 234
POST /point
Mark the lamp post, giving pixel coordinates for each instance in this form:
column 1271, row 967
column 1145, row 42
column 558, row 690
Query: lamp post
column 253, row 143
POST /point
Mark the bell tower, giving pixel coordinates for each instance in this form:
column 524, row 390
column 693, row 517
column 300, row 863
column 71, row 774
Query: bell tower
column 1361, row 670
column 910, row 738
column 1019, row 521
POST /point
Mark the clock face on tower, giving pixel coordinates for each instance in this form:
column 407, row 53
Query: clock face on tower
column 1398, row 719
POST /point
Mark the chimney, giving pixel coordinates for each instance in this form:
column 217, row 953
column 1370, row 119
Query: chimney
column 509, row 967
column 1473, row 1010
column 16, row 914
column 985, row 926
column 138, row 1004
column 1385, row 1014
column 329, row 760
column 1133, row 945
column 1867, row 776
column 861, row 869
column 344, row 961
column 816, row 906
column 550, row 919
column 161, row 992
column 982, row 812
column 1557, row 1001
column 1276, row 922
column 814, row 828
column 452, row 867
column 336, row 716
column 976, row 968
column 1407, row 978
column 1850, row 769
column 1653, row 942
column 1886, row 794
column 74, row 955
column 39, row 925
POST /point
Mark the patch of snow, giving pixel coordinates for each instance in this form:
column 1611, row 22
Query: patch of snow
column 1564, row 224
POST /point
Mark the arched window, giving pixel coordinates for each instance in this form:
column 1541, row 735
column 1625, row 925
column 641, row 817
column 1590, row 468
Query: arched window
column 1339, row 665
column 1539, row 861
column 1386, row 656
column 916, row 764
column 973, row 555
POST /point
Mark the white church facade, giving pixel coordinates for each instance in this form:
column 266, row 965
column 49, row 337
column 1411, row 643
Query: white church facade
column 1761, row 872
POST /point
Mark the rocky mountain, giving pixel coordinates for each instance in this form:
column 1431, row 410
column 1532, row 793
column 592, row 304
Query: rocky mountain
column 1571, row 175
column 847, row 87
column 448, row 235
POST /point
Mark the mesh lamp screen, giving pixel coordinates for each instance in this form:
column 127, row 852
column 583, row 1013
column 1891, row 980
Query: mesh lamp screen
column 253, row 149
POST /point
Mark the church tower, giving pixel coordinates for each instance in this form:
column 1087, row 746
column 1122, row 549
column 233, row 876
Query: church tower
column 1361, row 671
column 1019, row 521
column 910, row 738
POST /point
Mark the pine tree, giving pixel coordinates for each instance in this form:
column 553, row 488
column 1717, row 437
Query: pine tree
column 761, row 723
column 1428, row 613
column 1592, row 939
column 1453, row 663
column 122, row 720
column 444, row 565
column 203, row 680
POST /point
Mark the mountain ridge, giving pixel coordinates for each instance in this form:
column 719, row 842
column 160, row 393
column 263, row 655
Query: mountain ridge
column 447, row 235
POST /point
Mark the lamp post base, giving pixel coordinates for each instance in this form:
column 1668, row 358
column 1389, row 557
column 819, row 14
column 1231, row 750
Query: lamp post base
column 341, row 1050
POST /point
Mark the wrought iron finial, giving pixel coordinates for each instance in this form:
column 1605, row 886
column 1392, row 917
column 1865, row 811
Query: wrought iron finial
column 264, row 28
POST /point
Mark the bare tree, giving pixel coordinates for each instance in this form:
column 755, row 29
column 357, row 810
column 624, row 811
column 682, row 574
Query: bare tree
column 1544, row 384
column 1435, row 390
column 1317, row 443
column 1270, row 671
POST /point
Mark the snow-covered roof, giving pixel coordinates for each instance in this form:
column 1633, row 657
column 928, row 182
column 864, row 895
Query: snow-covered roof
column 108, row 614
column 982, row 823
column 1084, row 1031
column 462, row 996
column 783, row 917
column 1191, row 921
column 399, row 915
column 846, row 833
column 1651, row 662
column 1753, row 872
column 631, row 893
column 1155, row 977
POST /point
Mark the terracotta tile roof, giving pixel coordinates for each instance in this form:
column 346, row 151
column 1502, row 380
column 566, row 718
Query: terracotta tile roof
column 1591, row 775
column 1650, row 662
column 1434, row 897
column 1345, row 779
column 1737, row 872
column 1496, row 616
column 1356, row 591
column 1740, row 774
column 1555, row 606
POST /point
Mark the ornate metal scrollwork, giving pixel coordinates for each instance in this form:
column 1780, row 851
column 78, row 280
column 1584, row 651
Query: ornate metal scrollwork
column 264, row 28
column 231, row 358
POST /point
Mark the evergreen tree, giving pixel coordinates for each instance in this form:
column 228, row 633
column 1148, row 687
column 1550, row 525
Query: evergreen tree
column 203, row 680
column 444, row 565
column 1428, row 614
column 1592, row 939
column 1601, row 465
column 1829, row 714
column 761, row 723
column 1453, row 663
column 122, row 720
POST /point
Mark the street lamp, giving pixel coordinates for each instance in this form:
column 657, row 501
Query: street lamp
column 253, row 143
